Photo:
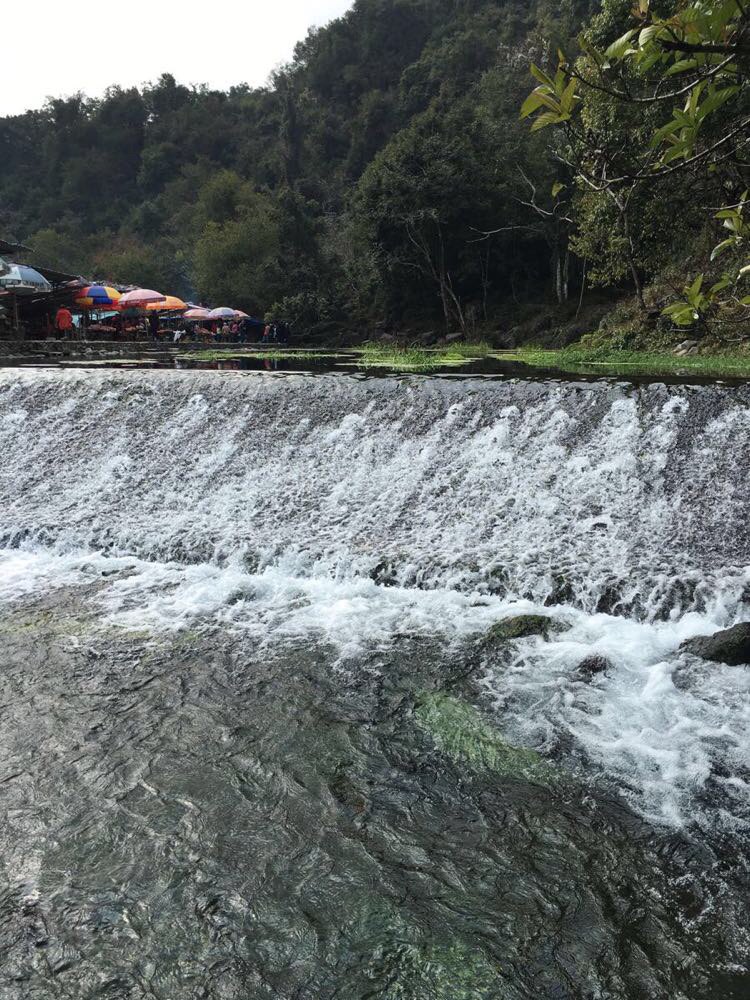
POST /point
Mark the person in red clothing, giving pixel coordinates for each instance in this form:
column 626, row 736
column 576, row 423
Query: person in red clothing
column 64, row 322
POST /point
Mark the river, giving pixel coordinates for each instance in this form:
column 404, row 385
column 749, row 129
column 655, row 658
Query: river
column 256, row 740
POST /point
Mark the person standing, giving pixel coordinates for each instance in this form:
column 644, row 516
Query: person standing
column 63, row 323
column 153, row 325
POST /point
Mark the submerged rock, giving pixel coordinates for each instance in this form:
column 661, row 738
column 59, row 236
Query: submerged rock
column 592, row 665
column 521, row 626
column 730, row 645
column 459, row 731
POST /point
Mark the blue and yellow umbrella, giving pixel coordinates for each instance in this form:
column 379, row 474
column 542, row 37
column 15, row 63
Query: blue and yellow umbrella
column 98, row 297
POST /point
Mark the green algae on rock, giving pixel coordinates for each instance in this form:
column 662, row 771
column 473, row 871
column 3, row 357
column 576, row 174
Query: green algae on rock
column 459, row 730
column 522, row 626
column 443, row 972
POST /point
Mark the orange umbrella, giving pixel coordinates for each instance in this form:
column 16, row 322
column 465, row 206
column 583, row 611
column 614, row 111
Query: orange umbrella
column 170, row 304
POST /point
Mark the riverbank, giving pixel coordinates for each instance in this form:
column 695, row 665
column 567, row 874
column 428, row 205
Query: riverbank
column 730, row 363
column 460, row 359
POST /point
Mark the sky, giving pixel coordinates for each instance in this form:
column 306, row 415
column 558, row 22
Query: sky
column 54, row 48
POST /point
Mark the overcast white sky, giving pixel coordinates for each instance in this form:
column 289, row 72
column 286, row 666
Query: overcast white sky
column 56, row 47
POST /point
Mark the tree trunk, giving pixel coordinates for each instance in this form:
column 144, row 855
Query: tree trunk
column 630, row 252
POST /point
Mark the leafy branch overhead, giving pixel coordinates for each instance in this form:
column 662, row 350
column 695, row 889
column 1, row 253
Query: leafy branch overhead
column 690, row 63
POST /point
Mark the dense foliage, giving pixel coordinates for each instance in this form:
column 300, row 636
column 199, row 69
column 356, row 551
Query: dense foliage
column 654, row 125
column 383, row 176
column 354, row 188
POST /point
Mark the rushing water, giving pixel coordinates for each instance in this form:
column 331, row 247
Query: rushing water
column 254, row 741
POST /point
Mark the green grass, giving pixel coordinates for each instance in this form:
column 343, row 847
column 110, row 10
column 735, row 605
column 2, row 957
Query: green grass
column 420, row 358
column 729, row 363
column 271, row 355
column 480, row 349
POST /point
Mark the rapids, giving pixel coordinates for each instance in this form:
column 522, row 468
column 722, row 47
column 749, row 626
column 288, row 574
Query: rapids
column 253, row 740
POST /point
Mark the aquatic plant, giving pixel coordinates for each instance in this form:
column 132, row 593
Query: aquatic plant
column 442, row 972
column 603, row 359
column 417, row 358
column 270, row 355
column 459, row 730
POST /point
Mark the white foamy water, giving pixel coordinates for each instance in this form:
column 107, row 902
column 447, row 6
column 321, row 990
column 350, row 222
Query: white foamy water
column 353, row 512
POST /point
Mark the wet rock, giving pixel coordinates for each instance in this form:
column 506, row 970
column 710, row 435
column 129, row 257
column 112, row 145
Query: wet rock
column 522, row 626
column 460, row 731
column 593, row 665
column 563, row 591
column 730, row 646
column 685, row 348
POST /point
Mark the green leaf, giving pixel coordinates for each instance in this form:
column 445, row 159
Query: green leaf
column 537, row 99
column 715, row 101
column 661, row 134
column 569, row 96
column 682, row 313
column 724, row 245
column 691, row 104
column 532, row 103
column 679, row 149
column 557, row 187
column 649, row 61
column 542, row 77
column 648, row 34
column 548, row 118
column 618, row 48
column 681, row 66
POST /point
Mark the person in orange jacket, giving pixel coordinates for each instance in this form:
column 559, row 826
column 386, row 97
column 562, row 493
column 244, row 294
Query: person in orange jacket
column 64, row 322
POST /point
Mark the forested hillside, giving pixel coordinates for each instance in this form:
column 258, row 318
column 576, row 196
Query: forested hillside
column 356, row 189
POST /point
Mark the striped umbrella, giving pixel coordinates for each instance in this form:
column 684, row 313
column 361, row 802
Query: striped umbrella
column 170, row 304
column 98, row 297
column 139, row 298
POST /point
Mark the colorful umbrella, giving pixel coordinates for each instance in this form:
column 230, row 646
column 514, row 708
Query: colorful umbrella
column 221, row 313
column 139, row 298
column 197, row 312
column 97, row 297
column 170, row 304
column 239, row 314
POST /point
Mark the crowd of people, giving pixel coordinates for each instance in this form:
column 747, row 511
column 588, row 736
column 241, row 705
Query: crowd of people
column 157, row 329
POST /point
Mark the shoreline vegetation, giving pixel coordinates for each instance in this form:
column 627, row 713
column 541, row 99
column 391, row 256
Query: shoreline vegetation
column 734, row 363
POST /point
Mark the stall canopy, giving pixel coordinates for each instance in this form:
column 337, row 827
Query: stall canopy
column 20, row 279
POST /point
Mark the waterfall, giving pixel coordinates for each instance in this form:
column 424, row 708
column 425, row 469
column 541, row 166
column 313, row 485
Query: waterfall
column 356, row 511
column 607, row 497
